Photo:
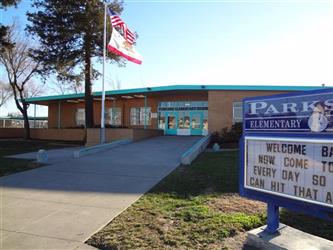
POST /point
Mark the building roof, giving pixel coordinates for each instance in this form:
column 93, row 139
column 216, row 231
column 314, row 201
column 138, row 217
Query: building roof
column 175, row 88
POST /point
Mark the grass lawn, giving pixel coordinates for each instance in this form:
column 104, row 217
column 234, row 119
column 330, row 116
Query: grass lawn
column 17, row 146
column 196, row 207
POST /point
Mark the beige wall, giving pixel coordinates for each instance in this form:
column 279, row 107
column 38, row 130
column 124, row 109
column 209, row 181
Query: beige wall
column 220, row 106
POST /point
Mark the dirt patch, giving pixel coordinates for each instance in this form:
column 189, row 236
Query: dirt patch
column 236, row 242
column 233, row 203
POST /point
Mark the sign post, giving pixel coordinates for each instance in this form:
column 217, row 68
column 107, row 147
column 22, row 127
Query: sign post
column 272, row 217
column 287, row 153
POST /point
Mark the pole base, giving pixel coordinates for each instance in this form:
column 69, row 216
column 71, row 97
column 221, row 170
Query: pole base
column 102, row 136
column 285, row 238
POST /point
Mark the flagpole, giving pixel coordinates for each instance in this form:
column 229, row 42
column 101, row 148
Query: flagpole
column 102, row 135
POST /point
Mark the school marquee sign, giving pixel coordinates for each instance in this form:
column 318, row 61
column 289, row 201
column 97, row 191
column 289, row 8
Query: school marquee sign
column 308, row 112
column 287, row 153
column 300, row 170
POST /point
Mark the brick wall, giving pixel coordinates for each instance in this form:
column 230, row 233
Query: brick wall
column 141, row 134
column 68, row 109
column 11, row 133
column 220, row 106
column 45, row 134
column 58, row 134
column 67, row 114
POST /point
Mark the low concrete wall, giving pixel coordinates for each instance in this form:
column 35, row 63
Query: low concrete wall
column 141, row 134
column 99, row 148
column 58, row 134
column 11, row 133
column 192, row 153
column 93, row 134
column 111, row 134
column 115, row 134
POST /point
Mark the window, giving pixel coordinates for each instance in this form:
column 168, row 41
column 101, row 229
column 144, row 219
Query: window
column 205, row 120
column 80, row 117
column 196, row 121
column 161, row 121
column 141, row 116
column 171, row 122
column 184, row 120
column 237, row 112
column 113, row 116
column 183, row 106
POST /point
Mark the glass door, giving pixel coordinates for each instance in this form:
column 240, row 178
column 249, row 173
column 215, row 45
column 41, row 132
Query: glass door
column 184, row 123
column 171, row 123
column 196, row 123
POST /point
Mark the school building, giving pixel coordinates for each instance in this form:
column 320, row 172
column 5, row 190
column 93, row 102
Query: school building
column 175, row 110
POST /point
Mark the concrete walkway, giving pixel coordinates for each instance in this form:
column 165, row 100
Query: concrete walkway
column 61, row 205
column 54, row 155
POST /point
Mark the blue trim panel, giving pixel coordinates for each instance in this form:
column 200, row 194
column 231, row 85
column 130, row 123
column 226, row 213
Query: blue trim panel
column 299, row 92
column 178, row 88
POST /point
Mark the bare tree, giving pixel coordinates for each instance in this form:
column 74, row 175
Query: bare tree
column 33, row 89
column 5, row 93
column 65, row 87
column 20, row 68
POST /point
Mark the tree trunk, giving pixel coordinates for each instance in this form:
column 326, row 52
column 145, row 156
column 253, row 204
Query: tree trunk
column 87, row 81
column 26, row 121
column 23, row 108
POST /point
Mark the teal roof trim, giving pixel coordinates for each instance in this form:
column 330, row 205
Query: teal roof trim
column 175, row 88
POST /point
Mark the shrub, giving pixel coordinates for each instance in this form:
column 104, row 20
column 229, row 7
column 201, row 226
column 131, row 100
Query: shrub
column 215, row 138
column 227, row 135
column 232, row 135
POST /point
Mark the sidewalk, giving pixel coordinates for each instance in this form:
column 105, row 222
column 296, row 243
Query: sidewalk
column 61, row 205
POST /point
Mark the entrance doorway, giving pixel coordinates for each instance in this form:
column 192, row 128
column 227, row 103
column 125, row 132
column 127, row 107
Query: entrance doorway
column 172, row 125
column 183, row 118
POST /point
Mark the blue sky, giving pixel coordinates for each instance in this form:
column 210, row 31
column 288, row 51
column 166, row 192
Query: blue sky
column 275, row 42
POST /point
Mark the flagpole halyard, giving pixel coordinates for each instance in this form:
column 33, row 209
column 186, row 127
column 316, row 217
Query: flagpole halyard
column 102, row 134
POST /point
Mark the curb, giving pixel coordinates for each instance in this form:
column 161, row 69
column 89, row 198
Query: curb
column 192, row 153
column 99, row 148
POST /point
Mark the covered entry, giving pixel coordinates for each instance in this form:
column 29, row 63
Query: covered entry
column 183, row 118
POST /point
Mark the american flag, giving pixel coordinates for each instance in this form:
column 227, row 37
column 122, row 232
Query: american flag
column 116, row 21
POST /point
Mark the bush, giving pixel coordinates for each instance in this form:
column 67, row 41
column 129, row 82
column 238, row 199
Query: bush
column 227, row 135
column 233, row 135
column 215, row 138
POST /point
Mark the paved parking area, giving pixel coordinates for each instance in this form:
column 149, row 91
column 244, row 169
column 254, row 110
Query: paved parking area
column 61, row 205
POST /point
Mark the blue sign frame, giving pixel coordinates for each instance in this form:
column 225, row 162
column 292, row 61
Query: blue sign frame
column 296, row 117
column 275, row 201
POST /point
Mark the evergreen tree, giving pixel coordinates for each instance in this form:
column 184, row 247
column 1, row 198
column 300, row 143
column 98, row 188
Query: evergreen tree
column 70, row 34
column 7, row 3
column 4, row 29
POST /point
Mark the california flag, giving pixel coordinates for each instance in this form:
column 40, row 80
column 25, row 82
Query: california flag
column 118, row 45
